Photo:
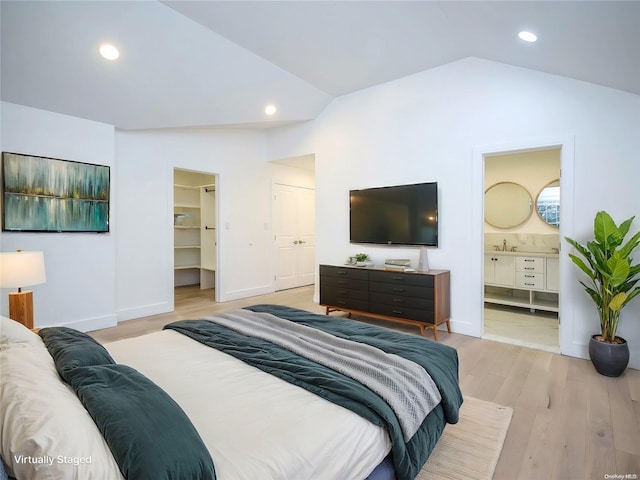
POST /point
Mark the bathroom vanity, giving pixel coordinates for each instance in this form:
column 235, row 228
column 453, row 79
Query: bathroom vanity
column 528, row 280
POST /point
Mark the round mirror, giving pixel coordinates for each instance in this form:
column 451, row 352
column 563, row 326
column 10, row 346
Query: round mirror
column 548, row 204
column 507, row 205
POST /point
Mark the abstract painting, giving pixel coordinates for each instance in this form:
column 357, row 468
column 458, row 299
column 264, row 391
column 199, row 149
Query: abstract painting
column 50, row 195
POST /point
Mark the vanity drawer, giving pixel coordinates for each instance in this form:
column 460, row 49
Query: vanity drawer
column 532, row 281
column 530, row 264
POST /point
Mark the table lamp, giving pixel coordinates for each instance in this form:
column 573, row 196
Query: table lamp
column 21, row 269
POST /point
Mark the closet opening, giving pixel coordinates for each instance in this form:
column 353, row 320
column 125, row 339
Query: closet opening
column 195, row 233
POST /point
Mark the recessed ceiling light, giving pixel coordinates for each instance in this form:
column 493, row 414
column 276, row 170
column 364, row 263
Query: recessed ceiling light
column 528, row 36
column 270, row 109
column 109, row 52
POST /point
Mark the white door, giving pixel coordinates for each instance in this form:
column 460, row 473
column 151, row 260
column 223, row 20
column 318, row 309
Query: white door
column 208, row 237
column 294, row 236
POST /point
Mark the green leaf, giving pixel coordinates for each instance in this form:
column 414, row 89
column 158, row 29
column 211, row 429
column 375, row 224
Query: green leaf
column 604, row 228
column 625, row 226
column 595, row 295
column 578, row 261
column 599, row 254
column 628, row 247
column 618, row 302
column 619, row 269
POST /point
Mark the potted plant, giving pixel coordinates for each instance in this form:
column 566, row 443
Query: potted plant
column 612, row 284
column 361, row 259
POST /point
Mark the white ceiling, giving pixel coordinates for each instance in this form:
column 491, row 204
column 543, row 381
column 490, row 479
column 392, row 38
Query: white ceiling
column 197, row 63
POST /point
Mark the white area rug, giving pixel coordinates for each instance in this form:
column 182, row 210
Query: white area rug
column 469, row 450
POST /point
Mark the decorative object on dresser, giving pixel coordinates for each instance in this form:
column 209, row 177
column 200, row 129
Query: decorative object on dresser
column 398, row 264
column 612, row 285
column 414, row 298
column 17, row 270
column 361, row 259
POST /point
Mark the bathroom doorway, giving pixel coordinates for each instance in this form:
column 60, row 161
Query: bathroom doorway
column 521, row 247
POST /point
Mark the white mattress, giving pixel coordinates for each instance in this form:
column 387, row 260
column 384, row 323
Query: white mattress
column 255, row 425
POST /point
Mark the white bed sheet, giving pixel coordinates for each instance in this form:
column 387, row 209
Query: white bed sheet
column 255, row 425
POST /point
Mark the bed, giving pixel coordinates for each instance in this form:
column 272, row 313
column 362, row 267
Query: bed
column 253, row 407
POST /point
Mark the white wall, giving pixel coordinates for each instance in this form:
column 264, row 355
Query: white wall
column 80, row 267
column 145, row 212
column 427, row 127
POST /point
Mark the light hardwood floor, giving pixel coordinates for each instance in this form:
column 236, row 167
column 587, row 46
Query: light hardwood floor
column 569, row 422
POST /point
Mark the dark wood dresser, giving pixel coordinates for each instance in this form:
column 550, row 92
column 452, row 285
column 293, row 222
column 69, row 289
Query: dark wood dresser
column 415, row 298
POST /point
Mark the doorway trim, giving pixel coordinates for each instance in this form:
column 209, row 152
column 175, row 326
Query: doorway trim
column 567, row 158
column 170, row 227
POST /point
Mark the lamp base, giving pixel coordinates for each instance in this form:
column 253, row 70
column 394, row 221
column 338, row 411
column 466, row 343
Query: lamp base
column 21, row 308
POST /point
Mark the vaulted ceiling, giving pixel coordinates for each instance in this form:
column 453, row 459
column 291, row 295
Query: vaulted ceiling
column 219, row 63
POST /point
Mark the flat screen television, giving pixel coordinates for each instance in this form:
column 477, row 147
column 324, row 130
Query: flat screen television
column 397, row 215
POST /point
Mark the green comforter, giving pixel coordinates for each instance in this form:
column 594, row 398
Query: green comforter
column 439, row 360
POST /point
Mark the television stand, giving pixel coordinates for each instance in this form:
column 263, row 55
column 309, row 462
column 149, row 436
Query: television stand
column 414, row 298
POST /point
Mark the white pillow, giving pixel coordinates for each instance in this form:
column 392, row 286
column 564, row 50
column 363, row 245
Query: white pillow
column 15, row 332
column 42, row 419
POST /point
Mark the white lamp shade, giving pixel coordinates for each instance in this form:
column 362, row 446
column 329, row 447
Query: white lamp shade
column 21, row 269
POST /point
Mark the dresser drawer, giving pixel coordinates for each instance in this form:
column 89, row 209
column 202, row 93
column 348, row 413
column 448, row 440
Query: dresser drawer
column 344, row 283
column 400, row 290
column 404, row 301
column 401, row 312
column 399, row 278
column 344, row 272
column 344, row 302
column 342, row 293
column 533, row 281
column 530, row 264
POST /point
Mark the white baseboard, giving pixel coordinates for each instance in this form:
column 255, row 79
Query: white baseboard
column 249, row 292
column 143, row 311
column 88, row 324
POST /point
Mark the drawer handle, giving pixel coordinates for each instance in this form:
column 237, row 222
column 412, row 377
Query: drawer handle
column 530, row 284
column 530, row 276
column 398, row 300
column 400, row 312
column 529, row 260
column 529, row 268
column 341, row 272
column 399, row 278
column 342, row 290
column 341, row 282
column 341, row 302
column 398, row 289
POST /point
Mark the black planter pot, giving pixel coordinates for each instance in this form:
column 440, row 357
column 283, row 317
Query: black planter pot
column 610, row 359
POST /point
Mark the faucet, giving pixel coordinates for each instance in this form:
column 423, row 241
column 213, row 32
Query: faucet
column 504, row 245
